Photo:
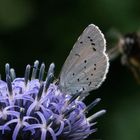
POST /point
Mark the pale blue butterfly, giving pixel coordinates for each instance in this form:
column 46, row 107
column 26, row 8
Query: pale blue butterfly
column 87, row 64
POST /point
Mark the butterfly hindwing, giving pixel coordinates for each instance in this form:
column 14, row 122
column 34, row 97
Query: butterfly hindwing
column 87, row 64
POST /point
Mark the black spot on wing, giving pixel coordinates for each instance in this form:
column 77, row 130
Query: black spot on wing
column 85, row 61
column 93, row 44
column 76, row 54
column 94, row 49
column 95, row 67
column 89, row 83
column 91, row 40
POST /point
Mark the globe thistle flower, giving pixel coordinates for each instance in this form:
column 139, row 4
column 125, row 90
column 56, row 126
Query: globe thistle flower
column 34, row 108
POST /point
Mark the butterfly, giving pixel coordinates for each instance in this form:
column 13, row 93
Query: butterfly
column 87, row 64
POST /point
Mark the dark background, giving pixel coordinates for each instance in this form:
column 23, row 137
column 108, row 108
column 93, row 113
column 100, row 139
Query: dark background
column 46, row 30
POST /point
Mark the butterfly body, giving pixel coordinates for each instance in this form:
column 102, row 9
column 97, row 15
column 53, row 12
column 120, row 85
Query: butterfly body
column 87, row 64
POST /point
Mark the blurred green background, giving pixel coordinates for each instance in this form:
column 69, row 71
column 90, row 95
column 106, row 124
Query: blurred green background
column 46, row 30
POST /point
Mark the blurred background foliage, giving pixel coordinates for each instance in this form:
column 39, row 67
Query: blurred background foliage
column 46, row 30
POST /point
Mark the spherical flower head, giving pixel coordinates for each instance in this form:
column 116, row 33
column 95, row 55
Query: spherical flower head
column 33, row 108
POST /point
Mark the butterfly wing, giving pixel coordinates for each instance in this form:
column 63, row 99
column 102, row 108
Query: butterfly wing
column 87, row 64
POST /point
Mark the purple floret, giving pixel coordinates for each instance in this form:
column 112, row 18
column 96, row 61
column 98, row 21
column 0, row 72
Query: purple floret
column 33, row 108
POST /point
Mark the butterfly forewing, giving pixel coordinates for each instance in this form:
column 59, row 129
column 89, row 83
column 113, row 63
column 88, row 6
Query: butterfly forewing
column 87, row 64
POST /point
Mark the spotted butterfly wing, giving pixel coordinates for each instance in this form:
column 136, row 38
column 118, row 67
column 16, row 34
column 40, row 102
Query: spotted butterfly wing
column 87, row 64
